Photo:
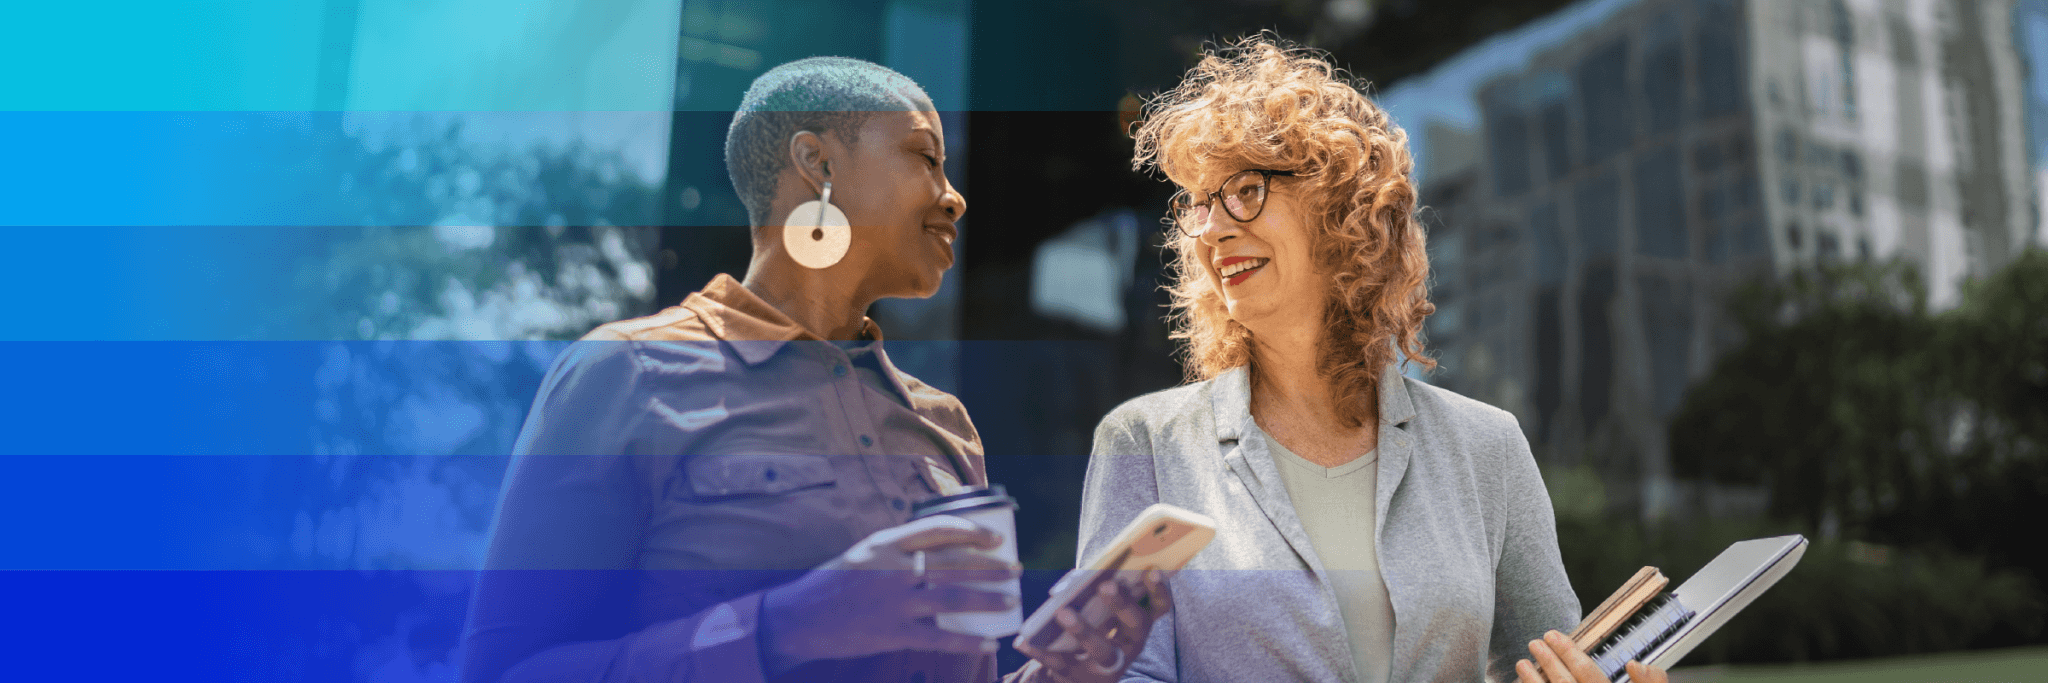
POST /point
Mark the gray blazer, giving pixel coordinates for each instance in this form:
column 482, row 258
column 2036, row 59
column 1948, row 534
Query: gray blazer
column 1467, row 541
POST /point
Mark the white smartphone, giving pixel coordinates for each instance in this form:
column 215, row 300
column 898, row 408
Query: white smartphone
column 1163, row 537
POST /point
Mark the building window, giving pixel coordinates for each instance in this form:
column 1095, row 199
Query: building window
column 1820, row 156
column 1905, row 48
column 1912, row 183
column 1706, row 158
column 1507, row 138
column 1543, row 230
column 1556, row 150
column 1660, row 205
column 1722, row 77
column 1713, row 202
column 1598, row 209
column 1667, row 319
column 1604, row 97
column 1845, row 43
column 1664, row 74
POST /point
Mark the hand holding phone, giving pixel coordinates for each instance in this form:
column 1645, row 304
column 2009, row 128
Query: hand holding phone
column 1124, row 583
column 1099, row 652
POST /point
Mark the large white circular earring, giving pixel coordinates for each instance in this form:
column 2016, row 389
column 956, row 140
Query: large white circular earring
column 818, row 234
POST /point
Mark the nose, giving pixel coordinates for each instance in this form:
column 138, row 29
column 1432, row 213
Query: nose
column 1218, row 227
column 953, row 202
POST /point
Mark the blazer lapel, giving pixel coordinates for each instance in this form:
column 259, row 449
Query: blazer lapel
column 1396, row 445
column 1244, row 449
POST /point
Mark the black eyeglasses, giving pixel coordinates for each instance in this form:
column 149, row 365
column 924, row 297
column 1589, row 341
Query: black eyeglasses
column 1243, row 195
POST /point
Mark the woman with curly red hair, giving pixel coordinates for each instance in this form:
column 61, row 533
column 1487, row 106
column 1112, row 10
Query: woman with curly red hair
column 1370, row 527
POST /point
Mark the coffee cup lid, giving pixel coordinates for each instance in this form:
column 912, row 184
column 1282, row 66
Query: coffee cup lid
column 961, row 502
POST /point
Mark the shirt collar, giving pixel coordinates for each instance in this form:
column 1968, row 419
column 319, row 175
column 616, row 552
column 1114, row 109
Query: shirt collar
column 754, row 328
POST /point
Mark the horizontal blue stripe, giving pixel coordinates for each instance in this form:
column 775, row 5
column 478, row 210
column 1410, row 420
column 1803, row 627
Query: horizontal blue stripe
column 538, row 55
column 442, row 55
column 268, row 626
column 301, row 168
column 271, row 455
column 116, row 283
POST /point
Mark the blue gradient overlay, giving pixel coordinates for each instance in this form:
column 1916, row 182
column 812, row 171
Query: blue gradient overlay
column 213, row 499
column 207, row 477
column 247, row 625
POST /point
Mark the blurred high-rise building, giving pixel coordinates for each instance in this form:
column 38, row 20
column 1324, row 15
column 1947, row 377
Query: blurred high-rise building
column 1622, row 180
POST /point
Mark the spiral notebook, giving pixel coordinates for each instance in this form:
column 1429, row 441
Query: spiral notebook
column 1642, row 621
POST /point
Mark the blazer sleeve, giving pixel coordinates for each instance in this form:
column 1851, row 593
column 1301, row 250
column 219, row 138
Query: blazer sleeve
column 1531, row 593
column 554, row 601
column 1121, row 482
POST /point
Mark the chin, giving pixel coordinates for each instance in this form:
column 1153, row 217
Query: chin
column 1247, row 313
column 926, row 289
column 922, row 287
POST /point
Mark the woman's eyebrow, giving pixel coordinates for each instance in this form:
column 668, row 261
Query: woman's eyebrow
column 937, row 144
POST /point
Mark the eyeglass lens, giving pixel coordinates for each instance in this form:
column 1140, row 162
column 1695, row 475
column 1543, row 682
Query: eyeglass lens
column 1243, row 195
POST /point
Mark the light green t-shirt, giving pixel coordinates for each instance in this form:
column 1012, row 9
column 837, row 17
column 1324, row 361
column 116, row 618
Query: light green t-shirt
column 1335, row 505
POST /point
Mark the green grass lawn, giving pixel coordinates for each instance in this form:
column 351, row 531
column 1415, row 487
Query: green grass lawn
column 2015, row 665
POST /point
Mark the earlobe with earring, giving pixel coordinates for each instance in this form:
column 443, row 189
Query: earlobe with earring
column 817, row 234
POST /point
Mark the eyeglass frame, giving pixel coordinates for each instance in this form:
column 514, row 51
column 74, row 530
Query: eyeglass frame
column 1265, row 185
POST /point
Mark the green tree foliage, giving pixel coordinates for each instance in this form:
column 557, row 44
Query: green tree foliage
column 1846, row 599
column 2001, row 346
column 454, row 274
column 454, row 239
column 1994, row 352
column 1868, row 417
column 1827, row 401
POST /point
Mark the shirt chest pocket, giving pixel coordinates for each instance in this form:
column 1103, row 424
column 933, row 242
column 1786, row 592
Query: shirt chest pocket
column 722, row 477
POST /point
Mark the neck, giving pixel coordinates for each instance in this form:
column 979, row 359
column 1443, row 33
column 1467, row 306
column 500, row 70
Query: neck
column 812, row 298
column 1285, row 376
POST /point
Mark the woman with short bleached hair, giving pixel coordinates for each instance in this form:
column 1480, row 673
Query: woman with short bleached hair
column 1370, row 527
column 726, row 490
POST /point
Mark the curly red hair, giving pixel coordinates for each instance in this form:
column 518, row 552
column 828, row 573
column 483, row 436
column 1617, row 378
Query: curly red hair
column 1263, row 103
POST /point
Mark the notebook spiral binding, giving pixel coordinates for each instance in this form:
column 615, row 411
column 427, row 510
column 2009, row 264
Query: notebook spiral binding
column 1650, row 626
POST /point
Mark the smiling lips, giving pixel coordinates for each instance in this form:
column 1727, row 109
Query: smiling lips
column 946, row 232
column 1237, row 268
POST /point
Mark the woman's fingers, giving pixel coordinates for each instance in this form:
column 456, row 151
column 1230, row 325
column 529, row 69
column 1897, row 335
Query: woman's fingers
column 940, row 531
column 1582, row 667
column 1639, row 672
column 944, row 598
column 1528, row 673
column 930, row 638
column 1553, row 669
column 1063, row 668
column 1127, row 602
column 961, row 563
column 1094, row 647
column 1160, row 593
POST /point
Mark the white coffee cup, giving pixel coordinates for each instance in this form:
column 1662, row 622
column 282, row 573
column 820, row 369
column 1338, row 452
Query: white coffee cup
column 993, row 509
